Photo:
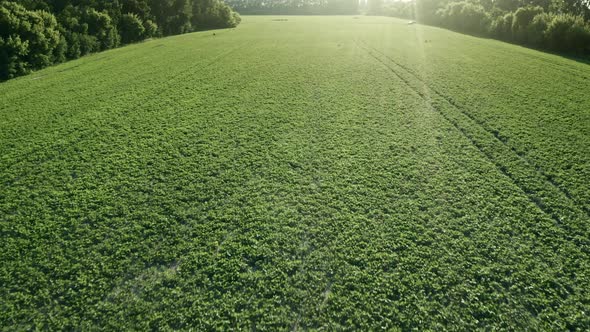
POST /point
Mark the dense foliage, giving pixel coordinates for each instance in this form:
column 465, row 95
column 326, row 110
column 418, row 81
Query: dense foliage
column 554, row 25
column 298, row 173
column 28, row 40
column 38, row 33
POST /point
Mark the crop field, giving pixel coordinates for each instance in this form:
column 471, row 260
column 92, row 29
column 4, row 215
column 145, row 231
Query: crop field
column 298, row 173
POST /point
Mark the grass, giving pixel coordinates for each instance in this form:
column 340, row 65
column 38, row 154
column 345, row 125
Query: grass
column 302, row 173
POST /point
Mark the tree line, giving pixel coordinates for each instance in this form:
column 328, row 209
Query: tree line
column 554, row 25
column 295, row 7
column 37, row 33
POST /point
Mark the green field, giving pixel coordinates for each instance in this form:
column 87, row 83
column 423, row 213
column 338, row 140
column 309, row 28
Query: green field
column 305, row 173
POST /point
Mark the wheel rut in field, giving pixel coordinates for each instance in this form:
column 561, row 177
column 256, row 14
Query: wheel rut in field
column 543, row 193
column 483, row 126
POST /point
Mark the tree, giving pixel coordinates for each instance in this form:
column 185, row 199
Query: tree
column 575, row 7
column 213, row 14
column 568, row 32
column 522, row 18
column 150, row 29
column 501, row 27
column 12, row 51
column 28, row 39
column 131, row 28
column 464, row 16
column 87, row 31
column 172, row 16
column 507, row 5
column 139, row 7
column 102, row 28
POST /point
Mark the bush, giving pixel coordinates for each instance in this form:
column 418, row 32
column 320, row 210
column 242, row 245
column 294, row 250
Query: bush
column 522, row 19
column 102, row 28
column 59, row 54
column 501, row 27
column 172, row 16
column 12, row 50
column 150, row 28
column 465, row 16
column 536, row 30
column 568, row 32
column 29, row 40
column 88, row 44
column 87, row 31
column 474, row 18
column 131, row 27
column 213, row 14
column 449, row 15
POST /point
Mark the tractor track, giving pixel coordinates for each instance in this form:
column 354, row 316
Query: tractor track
column 481, row 124
column 531, row 191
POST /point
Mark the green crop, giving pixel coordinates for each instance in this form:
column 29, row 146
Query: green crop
column 298, row 173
